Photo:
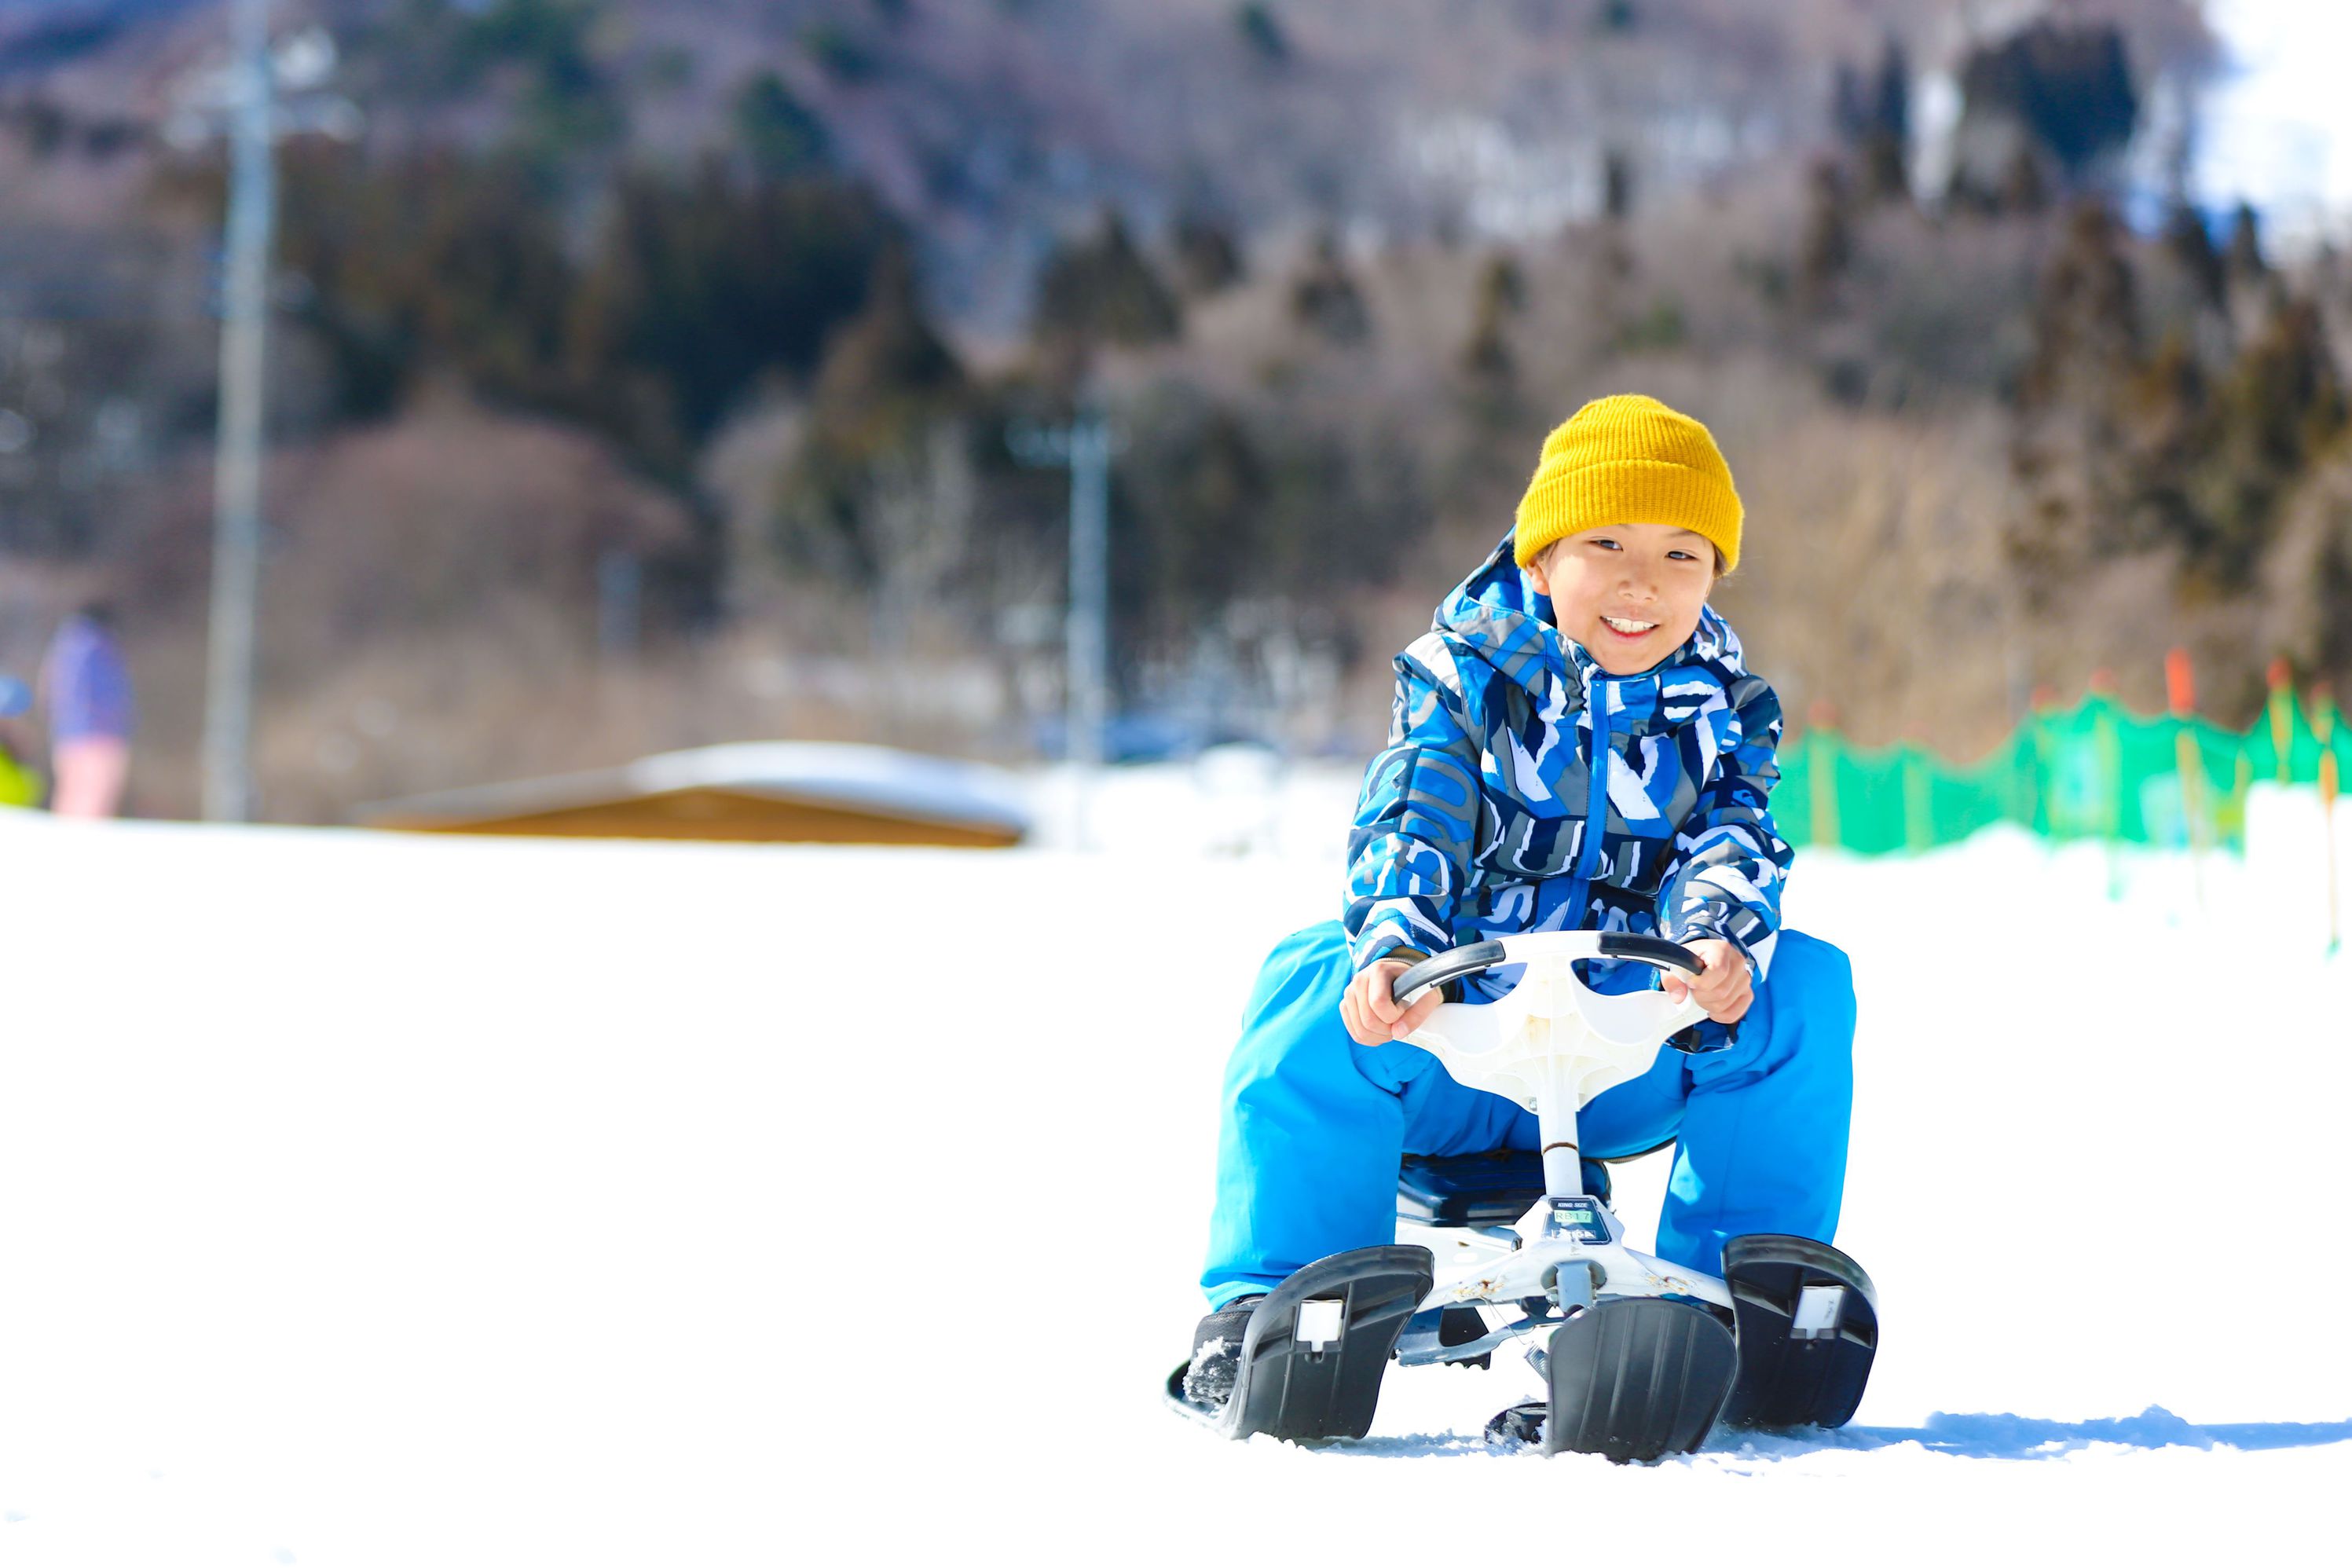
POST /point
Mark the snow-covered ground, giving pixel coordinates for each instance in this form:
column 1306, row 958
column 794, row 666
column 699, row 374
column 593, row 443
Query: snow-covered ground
column 370, row 1200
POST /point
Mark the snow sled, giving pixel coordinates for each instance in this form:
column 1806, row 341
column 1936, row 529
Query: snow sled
column 1638, row 1357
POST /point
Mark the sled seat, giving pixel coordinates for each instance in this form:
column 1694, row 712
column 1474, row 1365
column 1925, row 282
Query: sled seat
column 1479, row 1189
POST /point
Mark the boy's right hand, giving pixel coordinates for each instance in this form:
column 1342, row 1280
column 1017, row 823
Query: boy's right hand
column 1370, row 1011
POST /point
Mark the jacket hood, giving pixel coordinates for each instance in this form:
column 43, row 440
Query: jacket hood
column 1497, row 614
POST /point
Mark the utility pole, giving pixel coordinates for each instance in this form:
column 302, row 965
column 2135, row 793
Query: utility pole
column 1084, row 446
column 237, row 474
column 245, row 97
column 1087, row 634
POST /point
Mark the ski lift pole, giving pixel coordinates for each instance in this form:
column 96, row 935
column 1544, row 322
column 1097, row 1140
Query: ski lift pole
column 237, row 474
column 1083, row 447
column 1089, row 635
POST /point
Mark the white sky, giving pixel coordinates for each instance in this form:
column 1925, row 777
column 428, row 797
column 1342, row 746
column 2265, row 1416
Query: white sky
column 2277, row 125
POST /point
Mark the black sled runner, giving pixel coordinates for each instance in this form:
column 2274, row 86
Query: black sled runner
column 1318, row 1346
column 1637, row 1378
column 1808, row 1331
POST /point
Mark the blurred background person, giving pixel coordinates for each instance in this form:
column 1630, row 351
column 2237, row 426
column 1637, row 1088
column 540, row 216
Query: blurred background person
column 20, row 785
column 86, row 691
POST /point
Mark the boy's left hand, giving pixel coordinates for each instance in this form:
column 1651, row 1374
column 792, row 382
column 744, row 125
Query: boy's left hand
column 1725, row 990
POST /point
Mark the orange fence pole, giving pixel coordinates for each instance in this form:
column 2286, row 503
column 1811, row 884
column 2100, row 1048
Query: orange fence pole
column 1821, row 753
column 2181, row 696
column 2282, row 718
column 2322, row 725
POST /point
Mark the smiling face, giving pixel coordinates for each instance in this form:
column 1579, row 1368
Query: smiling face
column 1631, row 594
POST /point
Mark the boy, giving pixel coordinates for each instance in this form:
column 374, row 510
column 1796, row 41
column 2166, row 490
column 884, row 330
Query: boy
column 1576, row 745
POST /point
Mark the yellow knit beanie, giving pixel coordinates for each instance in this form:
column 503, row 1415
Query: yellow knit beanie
column 1629, row 459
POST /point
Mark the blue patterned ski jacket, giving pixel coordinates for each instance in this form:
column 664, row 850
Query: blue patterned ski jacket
column 1485, row 814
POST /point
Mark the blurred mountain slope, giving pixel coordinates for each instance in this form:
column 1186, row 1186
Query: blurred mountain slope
column 991, row 126
column 781, row 281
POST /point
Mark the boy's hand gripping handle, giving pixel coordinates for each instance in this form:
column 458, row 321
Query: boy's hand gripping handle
column 1477, row 957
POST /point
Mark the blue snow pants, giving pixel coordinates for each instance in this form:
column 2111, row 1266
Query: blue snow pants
column 1315, row 1125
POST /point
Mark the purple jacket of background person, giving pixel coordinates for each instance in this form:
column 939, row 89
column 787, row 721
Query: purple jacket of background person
column 88, row 688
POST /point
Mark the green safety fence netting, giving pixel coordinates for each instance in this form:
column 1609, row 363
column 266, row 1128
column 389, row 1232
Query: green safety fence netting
column 2094, row 770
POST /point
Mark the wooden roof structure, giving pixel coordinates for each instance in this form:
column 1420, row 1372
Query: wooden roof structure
column 800, row 792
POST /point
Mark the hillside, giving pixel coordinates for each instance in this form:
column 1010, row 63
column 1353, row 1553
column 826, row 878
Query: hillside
column 777, row 279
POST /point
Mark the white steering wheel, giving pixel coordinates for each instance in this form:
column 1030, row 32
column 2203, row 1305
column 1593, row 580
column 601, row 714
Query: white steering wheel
column 1552, row 1036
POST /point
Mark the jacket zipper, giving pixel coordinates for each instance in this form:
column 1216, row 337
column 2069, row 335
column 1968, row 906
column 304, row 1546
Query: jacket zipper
column 1596, row 803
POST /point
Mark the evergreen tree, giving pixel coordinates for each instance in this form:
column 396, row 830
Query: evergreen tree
column 2085, row 317
column 1325, row 298
column 1101, row 289
column 700, row 286
column 1616, row 185
column 1208, row 257
column 2281, row 404
column 1499, row 295
column 889, row 355
column 1194, row 522
column 439, row 263
column 1263, row 33
column 2068, row 87
column 1486, row 355
column 2243, row 263
column 1825, row 248
column 780, row 136
column 433, row 263
column 888, row 384
column 1875, row 119
column 2191, row 245
column 840, row 53
column 1502, row 288
column 2024, row 191
column 2070, row 456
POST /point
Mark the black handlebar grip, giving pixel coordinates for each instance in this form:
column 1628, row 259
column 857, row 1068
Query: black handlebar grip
column 1452, row 964
column 1479, row 956
column 1655, row 949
